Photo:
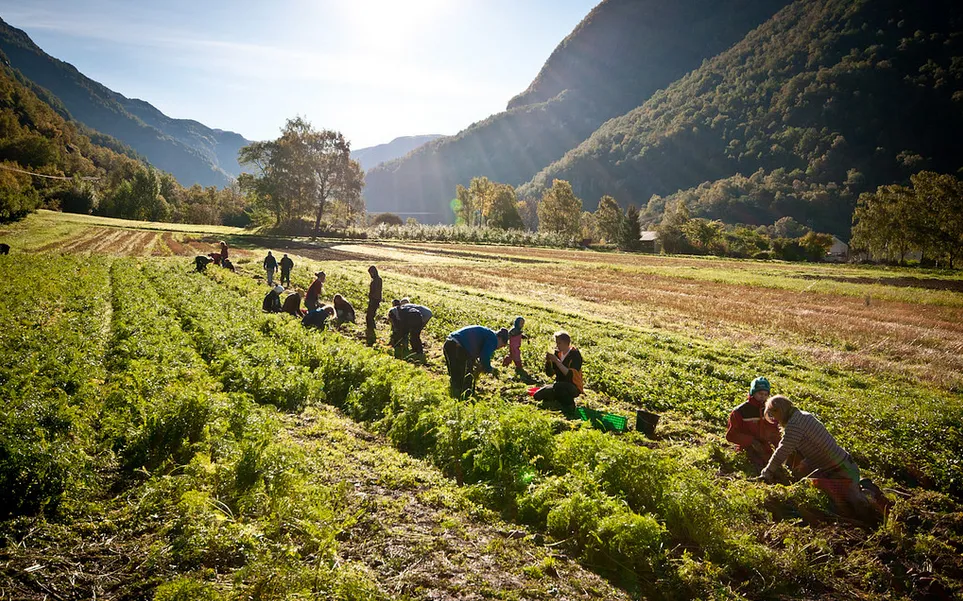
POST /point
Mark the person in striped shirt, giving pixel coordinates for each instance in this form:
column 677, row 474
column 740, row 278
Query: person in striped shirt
column 821, row 455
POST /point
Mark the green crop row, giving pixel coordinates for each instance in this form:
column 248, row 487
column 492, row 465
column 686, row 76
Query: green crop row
column 52, row 340
column 906, row 433
column 625, row 508
column 235, row 496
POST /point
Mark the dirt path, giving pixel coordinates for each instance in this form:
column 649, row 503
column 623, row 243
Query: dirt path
column 419, row 534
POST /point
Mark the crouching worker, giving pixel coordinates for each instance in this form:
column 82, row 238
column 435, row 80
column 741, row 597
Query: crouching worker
column 316, row 318
column 749, row 430
column 566, row 365
column 412, row 320
column 830, row 467
column 272, row 301
column 464, row 348
column 201, row 262
column 292, row 305
column 343, row 309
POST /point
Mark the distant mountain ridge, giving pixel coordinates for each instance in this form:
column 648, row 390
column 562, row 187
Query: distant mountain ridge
column 618, row 56
column 372, row 156
column 191, row 151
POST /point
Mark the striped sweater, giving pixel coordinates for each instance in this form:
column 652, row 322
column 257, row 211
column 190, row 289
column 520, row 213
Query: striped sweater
column 806, row 435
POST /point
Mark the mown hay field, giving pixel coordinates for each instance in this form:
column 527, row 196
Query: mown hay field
column 163, row 438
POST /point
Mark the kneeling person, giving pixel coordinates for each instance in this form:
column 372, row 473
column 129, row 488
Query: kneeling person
column 821, row 456
column 566, row 365
column 272, row 301
column 749, row 430
column 316, row 318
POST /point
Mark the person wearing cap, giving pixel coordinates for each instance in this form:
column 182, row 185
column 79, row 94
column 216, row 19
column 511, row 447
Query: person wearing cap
column 749, row 430
column 272, row 302
column 343, row 309
column 270, row 266
column 316, row 318
column 286, row 266
column 565, row 363
column 466, row 347
column 224, row 251
column 313, row 295
column 374, row 301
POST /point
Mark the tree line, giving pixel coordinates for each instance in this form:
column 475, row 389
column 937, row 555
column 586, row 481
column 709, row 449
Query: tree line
column 925, row 217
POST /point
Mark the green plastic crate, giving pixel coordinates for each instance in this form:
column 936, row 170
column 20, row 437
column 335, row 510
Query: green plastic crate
column 607, row 422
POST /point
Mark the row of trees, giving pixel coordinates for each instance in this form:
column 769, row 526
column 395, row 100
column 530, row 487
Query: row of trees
column 924, row 217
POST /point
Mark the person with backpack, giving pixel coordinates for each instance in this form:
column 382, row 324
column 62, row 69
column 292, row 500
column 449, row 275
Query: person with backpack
column 286, row 266
column 270, row 266
column 565, row 364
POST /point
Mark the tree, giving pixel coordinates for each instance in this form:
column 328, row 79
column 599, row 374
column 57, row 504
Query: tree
column 884, row 222
column 816, row 245
column 671, row 236
column 387, row 219
column 501, row 208
column 528, row 211
column 588, row 227
column 787, row 227
column 705, row 235
column 630, row 234
column 480, row 191
column 303, row 172
column 938, row 214
column 609, row 218
column 462, row 206
column 560, row 210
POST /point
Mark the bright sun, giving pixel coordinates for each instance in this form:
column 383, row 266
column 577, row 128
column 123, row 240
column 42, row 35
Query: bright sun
column 391, row 23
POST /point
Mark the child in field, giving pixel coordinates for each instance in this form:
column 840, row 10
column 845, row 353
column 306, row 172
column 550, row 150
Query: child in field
column 514, row 355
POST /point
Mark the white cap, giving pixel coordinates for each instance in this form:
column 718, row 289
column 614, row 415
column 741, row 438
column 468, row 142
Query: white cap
column 279, row 288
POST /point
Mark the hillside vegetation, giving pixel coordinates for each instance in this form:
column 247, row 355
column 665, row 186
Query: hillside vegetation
column 827, row 99
column 34, row 137
column 192, row 152
column 620, row 54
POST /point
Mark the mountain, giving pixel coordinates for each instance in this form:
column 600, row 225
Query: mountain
column 191, row 151
column 827, row 99
column 616, row 58
column 36, row 138
column 373, row 156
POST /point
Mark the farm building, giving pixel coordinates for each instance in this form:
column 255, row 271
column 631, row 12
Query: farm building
column 839, row 251
column 649, row 241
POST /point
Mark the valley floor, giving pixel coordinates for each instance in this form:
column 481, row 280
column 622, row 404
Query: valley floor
column 409, row 503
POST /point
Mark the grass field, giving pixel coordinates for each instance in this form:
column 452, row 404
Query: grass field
column 163, row 438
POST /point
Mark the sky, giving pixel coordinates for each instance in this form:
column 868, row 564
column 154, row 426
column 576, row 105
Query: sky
column 372, row 69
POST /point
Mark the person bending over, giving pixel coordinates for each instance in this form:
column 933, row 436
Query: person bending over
column 467, row 347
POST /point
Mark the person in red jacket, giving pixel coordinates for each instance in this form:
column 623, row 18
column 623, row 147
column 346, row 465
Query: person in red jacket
column 748, row 428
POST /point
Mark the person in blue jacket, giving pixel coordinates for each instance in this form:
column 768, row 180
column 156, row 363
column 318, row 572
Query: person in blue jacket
column 464, row 348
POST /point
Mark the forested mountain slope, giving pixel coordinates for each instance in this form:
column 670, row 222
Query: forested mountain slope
column 827, row 99
column 191, row 151
column 621, row 53
column 35, row 138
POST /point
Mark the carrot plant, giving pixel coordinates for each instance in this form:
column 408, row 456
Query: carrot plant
column 52, row 336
